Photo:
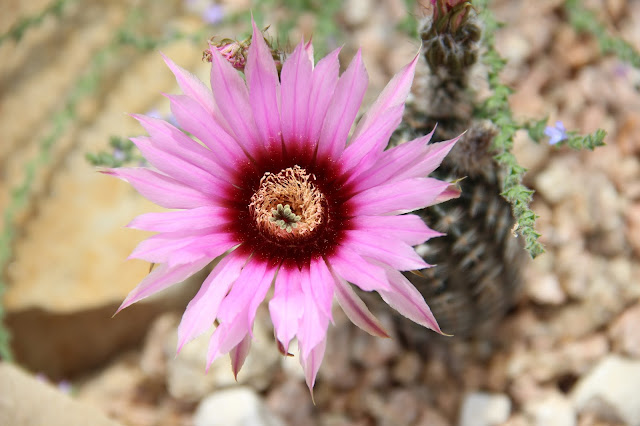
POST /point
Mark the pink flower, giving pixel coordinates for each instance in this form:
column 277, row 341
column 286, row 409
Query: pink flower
column 278, row 191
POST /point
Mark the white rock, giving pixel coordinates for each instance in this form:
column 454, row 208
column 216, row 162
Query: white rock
column 186, row 376
column 239, row 406
column 611, row 390
column 557, row 182
column 552, row 410
column 484, row 409
column 356, row 12
column 546, row 290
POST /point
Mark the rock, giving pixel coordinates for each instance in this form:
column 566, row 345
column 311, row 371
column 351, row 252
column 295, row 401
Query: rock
column 337, row 367
column 628, row 137
column 186, row 375
column 356, row 12
column 517, row 420
column 431, row 417
column 292, row 403
column 239, row 406
column 610, row 391
column 26, row 401
column 68, row 265
column 580, row 355
column 557, row 181
column 625, row 333
column 633, row 220
column 153, row 359
column 373, row 351
column 551, row 410
column 545, row 290
column 483, row 409
column 128, row 394
column 407, row 368
column 70, row 344
column 401, row 408
column 115, row 387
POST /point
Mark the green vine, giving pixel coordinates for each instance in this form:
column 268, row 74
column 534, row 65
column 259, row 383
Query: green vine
column 585, row 21
column 17, row 30
column 496, row 108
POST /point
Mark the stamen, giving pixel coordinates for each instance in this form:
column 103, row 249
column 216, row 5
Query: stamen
column 287, row 204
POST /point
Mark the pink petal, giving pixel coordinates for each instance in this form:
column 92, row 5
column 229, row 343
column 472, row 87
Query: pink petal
column 452, row 191
column 226, row 337
column 322, row 284
column 208, row 247
column 195, row 120
column 431, row 159
column 356, row 310
column 230, row 92
column 264, row 87
column 192, row 86
column 182, row 220
column 390, row 165
column 254, row 280
column 386, row 249
column 408, row 228
column 183, row 171
column 296, row 88
column 160, row 278
column 308, row 48
column 286, row 306
column 178, row 247
column 238, row 309
column 203, row 308
column 343, row 109
column 311, row 364
column 398, row 197
column 313, row 324
column 393, row 95
column 174, row 141
column 323, row 84
column 355, row 269
column 408, row 301
column 239, row 354
column 365, row 150
column 162, row 190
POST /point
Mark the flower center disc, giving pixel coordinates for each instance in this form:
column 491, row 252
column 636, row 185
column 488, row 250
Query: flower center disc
column 287, row 205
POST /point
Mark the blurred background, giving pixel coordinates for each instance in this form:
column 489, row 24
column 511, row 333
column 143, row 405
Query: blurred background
column 72, row 70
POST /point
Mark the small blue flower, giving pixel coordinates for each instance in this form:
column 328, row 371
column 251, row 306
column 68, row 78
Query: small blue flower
column 119, row 155
column 213, row 14
column 557, row 133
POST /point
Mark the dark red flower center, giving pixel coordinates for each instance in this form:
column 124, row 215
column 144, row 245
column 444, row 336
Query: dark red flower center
column 290, row 208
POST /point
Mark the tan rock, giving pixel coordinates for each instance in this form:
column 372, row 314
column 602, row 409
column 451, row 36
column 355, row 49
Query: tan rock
column 68, row 271
column 625, row 334
column 26, row 401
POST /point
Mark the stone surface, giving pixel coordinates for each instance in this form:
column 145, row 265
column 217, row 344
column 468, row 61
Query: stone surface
column 625, row 332
column 186, row 376
column 483, row 409
column 545, row 290
column 610, row 390
column 68, row 271
column 239, row 406
column 26, row 401
column 553, row 409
